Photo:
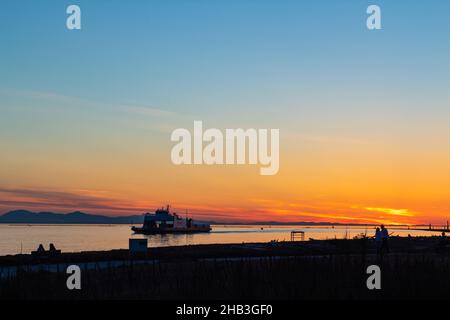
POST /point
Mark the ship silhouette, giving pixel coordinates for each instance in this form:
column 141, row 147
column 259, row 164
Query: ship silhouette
column 163, row 221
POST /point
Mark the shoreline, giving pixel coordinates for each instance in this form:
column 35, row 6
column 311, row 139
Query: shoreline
column 398, row 244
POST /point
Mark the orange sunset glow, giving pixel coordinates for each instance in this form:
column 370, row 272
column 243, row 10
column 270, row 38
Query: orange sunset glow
column 334, row 182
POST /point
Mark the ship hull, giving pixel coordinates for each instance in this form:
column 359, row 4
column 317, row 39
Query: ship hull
column 171, row 230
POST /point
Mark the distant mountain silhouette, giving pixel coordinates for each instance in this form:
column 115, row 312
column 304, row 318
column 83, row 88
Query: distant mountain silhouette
column 77, row 217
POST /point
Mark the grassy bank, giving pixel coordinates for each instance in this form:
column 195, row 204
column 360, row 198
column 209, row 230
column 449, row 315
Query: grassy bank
column 416, row 268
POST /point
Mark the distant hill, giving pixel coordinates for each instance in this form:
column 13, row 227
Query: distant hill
column 24, row 216
column 77, row 217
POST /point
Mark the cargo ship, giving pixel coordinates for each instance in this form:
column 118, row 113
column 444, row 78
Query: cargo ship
column 163, row 221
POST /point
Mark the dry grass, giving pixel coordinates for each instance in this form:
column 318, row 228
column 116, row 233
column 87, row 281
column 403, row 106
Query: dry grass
column 303, row 277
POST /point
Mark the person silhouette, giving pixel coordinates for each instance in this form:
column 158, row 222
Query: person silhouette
column 384, row 239
column 41, row 249
column 378, row 240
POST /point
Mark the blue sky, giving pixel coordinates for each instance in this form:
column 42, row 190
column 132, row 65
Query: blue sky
column 269, row 63
column 205, row 56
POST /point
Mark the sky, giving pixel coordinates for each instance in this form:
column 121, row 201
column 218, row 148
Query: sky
column 86, row 115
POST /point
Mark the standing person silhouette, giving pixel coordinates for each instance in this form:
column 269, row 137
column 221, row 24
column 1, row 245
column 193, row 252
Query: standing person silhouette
column 384, row 239
column 378, row 240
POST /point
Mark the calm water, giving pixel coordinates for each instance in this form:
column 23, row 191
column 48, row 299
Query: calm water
column 75, row 238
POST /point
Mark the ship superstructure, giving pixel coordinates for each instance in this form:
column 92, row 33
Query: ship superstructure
column 163, row 221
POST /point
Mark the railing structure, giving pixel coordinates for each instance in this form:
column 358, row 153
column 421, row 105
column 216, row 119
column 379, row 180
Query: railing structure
column 297, row 235
column 431, row 228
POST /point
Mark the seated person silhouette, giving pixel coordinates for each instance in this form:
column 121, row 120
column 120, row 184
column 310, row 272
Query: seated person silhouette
column 40, row 252
column 40, row 249
column 53, row 251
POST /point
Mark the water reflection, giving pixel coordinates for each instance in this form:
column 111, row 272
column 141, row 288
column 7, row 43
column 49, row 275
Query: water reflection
column 75, row 238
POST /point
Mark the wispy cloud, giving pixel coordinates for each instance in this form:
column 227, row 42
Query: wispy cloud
column 258, row 209
column 99, row 201
column 62, row 100
column 318, row 210
column 152, row 112
column 394, row 212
